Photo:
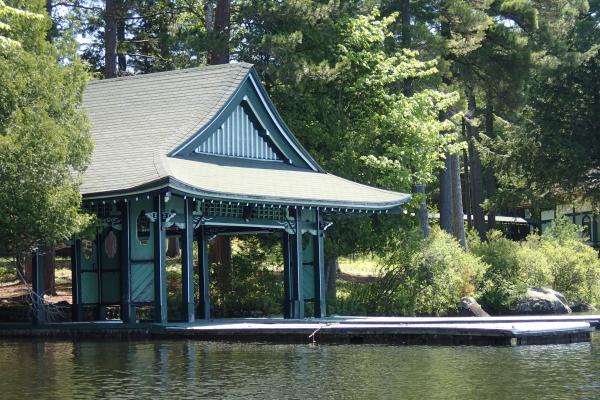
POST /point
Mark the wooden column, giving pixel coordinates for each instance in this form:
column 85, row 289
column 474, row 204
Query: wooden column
column 160, row 270
column 319, row 270
column 287, row 275
column 187, row 263
column 127, row 309
column 76, row 306
column 297, row 268
column 37, row 282
column 203, row 300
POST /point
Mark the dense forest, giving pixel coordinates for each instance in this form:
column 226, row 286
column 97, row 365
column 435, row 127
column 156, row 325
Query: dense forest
column 476, row 107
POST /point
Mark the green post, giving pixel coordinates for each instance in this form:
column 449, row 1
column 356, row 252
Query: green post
column 187, row 263
column 203, row 300
column 287, row 276
column 160, row 270
column 127, row 309
column 37, row 283
column 297, row 268
column 319, row 270
column 76, row 307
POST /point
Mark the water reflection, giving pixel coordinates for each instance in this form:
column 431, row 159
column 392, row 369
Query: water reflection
column 187, row 369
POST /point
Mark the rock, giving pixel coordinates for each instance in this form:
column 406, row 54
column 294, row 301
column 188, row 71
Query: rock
column 468, row 307
column 541, row 301
column 583, row 307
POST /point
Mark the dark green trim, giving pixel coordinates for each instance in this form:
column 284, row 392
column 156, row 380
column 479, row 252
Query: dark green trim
column 287, row 275
column 204, row 299
column 319, row 270
column 252, row 92
column 187, row 263
column 76, row 306
column 160, row 270
column 182, row 189
column 297, row 269
column 127, row 309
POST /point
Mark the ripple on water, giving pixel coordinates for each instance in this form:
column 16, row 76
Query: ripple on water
column 192, row 370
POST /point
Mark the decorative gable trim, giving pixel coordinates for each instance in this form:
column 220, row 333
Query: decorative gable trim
column 242, row 135
column 251, row 95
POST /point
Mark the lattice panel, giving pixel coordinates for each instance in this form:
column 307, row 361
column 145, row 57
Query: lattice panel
column 244, row 212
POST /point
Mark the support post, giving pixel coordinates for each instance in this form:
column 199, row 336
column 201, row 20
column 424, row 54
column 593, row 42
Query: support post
column 319, row 270
column 297, row 268
column 187, row 263
column 203, row 300
column 287, row 276
column 76, row 306
column 160, row 271
column 37, row 283
column 127, row 309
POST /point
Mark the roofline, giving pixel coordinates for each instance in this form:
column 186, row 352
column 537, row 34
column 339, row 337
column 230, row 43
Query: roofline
column 175, row 185
column 254, row 79
column 165, row 73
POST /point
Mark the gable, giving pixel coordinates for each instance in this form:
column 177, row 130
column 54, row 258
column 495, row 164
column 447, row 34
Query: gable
column 241, row 135
column 247, row 128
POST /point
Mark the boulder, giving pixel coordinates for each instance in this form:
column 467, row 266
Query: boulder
column 583, row 307
column 468, row 307
column 538, row 301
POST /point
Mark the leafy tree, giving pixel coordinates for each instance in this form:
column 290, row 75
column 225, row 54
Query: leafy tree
column 44, row 139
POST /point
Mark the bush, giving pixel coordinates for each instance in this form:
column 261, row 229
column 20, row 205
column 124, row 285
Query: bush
column 418, row 277
column 558, row 259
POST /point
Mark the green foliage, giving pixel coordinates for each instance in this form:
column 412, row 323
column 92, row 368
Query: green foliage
column 253, row 290
column 44, row 141
column 558, row 259
column 418, row 277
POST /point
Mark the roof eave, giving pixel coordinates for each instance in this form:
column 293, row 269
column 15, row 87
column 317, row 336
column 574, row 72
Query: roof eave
column 178, row 187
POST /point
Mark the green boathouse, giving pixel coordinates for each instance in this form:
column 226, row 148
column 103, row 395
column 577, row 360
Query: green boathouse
column 197, row 153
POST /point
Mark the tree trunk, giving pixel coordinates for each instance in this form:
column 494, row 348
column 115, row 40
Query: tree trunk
column 406, row 38
column 406, row 42
column 467, row 190
column 423, row 213
column 209, row 15
column 120, row 21
column 476, row 174
column 446, row 197
column 110, row 39
column 331, row 268
column 490, row 178
column 220, row 255
column 220, row 54
column 458, row 223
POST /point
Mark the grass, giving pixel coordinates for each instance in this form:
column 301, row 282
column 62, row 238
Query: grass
column 365, row 266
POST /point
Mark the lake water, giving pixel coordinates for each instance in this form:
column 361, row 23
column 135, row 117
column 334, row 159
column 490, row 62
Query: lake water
column 193, row 370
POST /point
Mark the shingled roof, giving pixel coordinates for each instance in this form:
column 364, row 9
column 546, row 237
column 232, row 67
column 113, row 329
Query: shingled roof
column 141, row 123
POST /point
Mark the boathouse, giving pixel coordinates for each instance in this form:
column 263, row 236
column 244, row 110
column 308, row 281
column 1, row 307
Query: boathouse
column 197, row 153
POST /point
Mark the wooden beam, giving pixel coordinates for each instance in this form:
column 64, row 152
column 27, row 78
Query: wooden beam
column 319, row 270
column 187, row 263
column 160, row 270
column 37, row 282
column 287, row 275
column 203, row 300
column 127, row 309
column 297, row 268
column 76, row 307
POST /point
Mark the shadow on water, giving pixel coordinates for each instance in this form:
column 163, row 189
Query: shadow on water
column 189, row 369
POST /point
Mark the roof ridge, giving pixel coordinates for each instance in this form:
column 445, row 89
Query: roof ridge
column 237, row 65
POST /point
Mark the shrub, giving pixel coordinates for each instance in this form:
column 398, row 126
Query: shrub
column 418, row 277
column 558, row 259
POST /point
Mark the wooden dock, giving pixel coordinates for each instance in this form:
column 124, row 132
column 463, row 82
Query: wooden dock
column 500, row 331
